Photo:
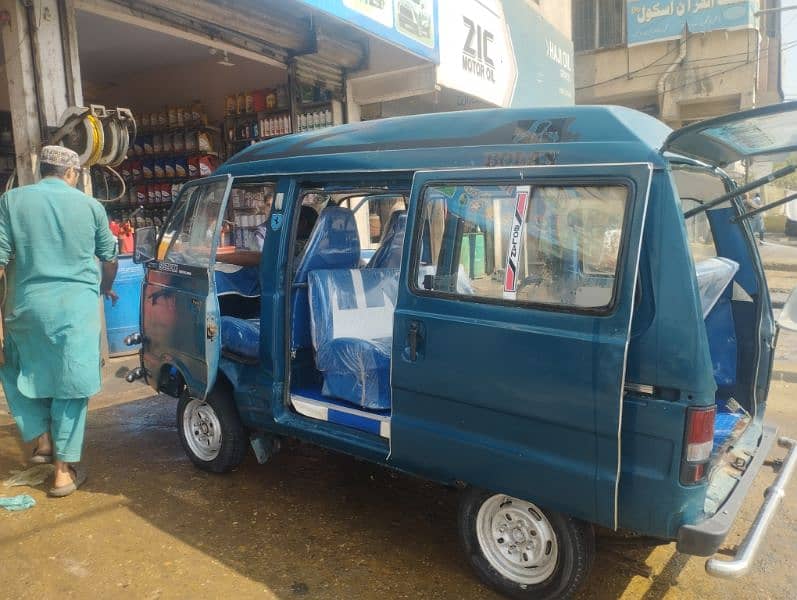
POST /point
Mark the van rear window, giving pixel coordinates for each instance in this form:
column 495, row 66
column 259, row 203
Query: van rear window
column 544, row 245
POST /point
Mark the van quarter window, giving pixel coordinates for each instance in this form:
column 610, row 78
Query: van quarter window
column 551, row 245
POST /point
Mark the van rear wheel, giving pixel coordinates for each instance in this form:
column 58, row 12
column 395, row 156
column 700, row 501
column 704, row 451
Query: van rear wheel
column 521, row 550
column 211, row 431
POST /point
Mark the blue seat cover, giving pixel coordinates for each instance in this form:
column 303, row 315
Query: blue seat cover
column 388, row 255
column 241, row 337
column 333, row 244
column 722, row 342
column 725, row 422
column 352, row 329
column 242, row 282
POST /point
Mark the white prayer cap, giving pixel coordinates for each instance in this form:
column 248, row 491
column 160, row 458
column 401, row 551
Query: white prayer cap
column 60, row 157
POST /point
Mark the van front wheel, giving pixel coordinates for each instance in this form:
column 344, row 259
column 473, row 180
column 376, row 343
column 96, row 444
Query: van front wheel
column 211, row 431
column 522, row 550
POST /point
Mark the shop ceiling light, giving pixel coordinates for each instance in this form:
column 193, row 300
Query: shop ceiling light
column 224, row 60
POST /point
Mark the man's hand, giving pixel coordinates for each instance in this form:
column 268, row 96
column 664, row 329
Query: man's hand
column 111, row 295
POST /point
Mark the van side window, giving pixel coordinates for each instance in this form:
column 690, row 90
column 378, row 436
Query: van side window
column 550, row 245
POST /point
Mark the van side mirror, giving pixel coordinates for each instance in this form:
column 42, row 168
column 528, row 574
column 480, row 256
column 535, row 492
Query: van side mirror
column 788, row 315
column 144, row 241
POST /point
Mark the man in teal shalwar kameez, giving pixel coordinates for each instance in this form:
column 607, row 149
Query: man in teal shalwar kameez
column 50, row 234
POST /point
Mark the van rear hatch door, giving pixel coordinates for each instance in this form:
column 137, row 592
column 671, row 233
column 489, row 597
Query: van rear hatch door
column 730, row 138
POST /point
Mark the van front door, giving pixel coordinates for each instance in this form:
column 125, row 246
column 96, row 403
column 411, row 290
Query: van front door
column 179, row 308
column 512, row 327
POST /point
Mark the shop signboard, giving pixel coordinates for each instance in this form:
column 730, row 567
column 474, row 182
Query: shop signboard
column 653, row 21
column 409, row 24
column 503, row 52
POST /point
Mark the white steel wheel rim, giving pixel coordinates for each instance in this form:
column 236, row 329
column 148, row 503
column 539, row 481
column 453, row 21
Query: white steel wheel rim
column 202, row 429
column 517, row 539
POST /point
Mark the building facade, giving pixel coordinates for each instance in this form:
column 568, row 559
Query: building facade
column 505, row 53
column 680, row 61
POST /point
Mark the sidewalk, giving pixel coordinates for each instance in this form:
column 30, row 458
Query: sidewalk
column 779, row 252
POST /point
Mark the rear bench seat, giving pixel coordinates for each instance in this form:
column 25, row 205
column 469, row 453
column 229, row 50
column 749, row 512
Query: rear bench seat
column 351, row 312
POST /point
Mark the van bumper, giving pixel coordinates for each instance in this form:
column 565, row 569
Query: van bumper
column 704, row 538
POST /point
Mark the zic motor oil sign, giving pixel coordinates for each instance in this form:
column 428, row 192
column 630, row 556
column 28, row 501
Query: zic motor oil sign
column 515, row 241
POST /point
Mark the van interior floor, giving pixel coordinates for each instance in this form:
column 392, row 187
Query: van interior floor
column 309, row 401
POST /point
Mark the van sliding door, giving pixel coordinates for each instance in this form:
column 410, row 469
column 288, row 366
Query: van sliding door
column 512, row 328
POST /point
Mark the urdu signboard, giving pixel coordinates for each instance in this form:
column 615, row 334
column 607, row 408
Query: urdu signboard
column 651, row 21
column 504, row 53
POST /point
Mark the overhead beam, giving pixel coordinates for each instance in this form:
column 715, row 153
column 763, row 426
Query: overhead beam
column 148, row 17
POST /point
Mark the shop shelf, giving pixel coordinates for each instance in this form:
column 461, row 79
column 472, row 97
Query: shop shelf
column 258, row 138
column 302, row 106
column 152, row 130
column 174, row 155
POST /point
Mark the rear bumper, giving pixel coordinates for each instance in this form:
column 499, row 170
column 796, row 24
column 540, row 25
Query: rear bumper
column 704, row 538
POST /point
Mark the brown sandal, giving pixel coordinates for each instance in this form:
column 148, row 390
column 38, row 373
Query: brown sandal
column 40, row 459
column 79, row 478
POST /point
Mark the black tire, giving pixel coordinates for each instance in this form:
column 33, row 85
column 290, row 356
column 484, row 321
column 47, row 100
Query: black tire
column 233, row 442
column 575, row 542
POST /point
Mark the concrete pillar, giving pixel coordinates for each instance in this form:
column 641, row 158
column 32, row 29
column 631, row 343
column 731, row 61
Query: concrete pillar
column 353, row 114
column 43, row 70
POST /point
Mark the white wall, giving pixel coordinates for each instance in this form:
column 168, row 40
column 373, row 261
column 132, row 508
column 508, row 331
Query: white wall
column 719, row 67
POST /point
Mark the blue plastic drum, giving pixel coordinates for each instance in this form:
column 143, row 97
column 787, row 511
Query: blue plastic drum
column 122, row 320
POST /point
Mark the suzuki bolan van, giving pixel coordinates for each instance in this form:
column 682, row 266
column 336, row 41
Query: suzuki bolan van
column 560, row 311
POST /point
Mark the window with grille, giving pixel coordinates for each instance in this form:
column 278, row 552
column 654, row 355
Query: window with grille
column 598, row 24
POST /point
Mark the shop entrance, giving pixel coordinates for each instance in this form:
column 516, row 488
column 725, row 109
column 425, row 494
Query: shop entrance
column 195, row 105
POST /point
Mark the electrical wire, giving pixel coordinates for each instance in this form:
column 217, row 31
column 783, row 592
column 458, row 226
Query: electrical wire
column 718, row 73
column 637, row 70
column 754, row 60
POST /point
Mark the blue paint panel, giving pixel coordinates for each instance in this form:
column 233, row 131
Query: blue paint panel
column 177, row 308
column 356, row 421
column 498, row 390
column 651, row 498
column 670, row 303
column 490, row 138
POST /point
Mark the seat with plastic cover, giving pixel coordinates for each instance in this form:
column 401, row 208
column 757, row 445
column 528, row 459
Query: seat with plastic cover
column 388, row 255
column 714, row 276
column 240, row 338
column 333, row 244
column 352, row 325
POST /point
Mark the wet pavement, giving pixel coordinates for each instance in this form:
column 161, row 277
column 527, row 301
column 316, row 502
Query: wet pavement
column 309, row 524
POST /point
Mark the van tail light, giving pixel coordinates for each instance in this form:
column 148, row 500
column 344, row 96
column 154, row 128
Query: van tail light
column 699, row 441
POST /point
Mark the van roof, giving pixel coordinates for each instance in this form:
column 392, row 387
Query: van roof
column 474, row 138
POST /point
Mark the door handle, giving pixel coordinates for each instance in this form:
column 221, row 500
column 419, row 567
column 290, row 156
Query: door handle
column 413, row 333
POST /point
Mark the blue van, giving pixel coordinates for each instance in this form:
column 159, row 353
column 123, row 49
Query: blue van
column 561, row 311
